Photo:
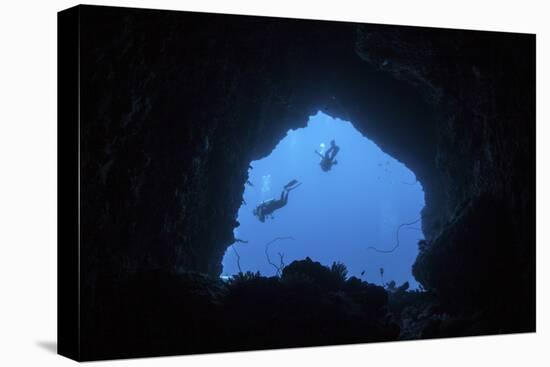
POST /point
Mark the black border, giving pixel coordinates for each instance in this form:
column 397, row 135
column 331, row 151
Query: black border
column 68, row 184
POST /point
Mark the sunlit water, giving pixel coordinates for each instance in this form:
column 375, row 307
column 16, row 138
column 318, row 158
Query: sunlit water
column 335, row 215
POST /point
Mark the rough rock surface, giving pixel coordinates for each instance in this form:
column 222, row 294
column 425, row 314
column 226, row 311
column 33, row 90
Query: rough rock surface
column 164, row 313
column 174, row 107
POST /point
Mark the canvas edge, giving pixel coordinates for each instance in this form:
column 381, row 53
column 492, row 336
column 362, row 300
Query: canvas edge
column 68, row 182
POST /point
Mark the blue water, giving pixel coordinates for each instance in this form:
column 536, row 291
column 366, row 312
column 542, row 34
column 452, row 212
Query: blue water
column 335, row 215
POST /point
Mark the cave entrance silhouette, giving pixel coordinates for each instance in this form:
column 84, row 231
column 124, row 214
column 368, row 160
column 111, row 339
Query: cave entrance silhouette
column 342, row 215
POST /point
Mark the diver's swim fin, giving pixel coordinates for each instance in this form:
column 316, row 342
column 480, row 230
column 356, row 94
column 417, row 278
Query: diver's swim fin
column 293, row 187
column 291, row 183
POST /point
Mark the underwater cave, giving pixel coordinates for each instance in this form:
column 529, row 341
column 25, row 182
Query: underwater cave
column 351, row 214
column 168, row 149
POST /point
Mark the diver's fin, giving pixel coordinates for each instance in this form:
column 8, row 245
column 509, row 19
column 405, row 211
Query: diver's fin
column 291, row 183
column 293, row 187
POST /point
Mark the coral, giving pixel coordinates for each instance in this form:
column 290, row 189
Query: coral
column 166, row 313
column 340, row 270
column 326, row 278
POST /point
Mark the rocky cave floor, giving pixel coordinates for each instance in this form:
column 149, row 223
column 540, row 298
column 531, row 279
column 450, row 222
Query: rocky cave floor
column 307, row 305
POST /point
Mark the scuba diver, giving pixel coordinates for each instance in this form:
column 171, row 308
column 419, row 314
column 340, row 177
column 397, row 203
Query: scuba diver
column 327, row 160
column 268, row 207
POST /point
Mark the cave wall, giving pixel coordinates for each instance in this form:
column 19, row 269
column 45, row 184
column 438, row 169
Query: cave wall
column 483, row 84
column 174, row 107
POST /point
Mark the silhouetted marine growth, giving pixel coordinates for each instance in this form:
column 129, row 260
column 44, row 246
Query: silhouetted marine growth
column 166, row 313
column 388, row 251
column 238, row 256
column 278, row 268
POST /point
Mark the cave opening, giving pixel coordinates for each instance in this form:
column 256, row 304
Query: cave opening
column 364, row 212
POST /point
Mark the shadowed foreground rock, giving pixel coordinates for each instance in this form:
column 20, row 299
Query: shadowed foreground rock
column 162, row 314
